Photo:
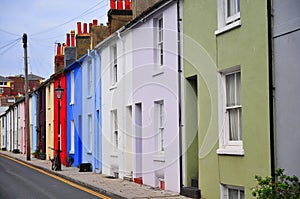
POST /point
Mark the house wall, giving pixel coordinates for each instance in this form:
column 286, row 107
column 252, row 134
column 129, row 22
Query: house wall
column 88, row 105
column 9, row 130
column 32, row 121
column 63, row 118
column 153, row 83
column 206, row 54
column 41, row 122
column 116, row 98
column 74, row 112
column 49, row 120
column 286, row 38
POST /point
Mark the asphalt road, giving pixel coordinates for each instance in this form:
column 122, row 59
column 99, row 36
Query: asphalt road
column 18, row 181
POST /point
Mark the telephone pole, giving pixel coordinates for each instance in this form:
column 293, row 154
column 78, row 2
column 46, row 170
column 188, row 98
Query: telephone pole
column 26, row 99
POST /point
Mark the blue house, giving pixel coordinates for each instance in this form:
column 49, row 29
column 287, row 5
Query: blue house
column 91, row 111
column 33, row 120
column 74, row 111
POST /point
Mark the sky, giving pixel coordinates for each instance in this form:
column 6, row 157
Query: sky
column 46, row 23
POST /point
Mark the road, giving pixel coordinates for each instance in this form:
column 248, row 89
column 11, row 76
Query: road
column 19, row 181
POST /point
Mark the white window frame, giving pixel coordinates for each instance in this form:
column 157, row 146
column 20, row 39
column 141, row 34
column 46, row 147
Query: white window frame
column 114, row 127
column 160, row 41
column 160, row 125
column 72, row 148
column 227, row 146
column 224, row 192
column 225, row 22
column 72, row 88
column 236, row 15
column 114, row 65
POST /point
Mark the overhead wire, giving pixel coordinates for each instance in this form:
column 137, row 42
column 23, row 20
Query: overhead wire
column 86, row 12
column 5, row 48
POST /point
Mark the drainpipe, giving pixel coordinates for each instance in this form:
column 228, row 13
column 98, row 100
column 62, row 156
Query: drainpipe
column 271, row 92
column 179, row 94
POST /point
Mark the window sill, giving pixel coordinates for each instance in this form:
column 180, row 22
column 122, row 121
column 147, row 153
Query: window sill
column 158, row 71
column 159, row 157
column 113, row 87
column 228, row 27
column 71, row 103
column 71, row 152
column 89, row 153
column 231, row 151
column 114, row 154
column 89, row 97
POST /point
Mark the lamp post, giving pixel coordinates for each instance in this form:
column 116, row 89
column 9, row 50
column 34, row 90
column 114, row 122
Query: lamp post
column 58, row 92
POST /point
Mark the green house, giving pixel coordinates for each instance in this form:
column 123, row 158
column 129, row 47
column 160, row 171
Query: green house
column 226, row 94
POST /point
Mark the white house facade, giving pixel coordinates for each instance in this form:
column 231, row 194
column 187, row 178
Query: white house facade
column 155, row 97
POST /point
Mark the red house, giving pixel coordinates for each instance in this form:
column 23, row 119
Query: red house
column 60, row 124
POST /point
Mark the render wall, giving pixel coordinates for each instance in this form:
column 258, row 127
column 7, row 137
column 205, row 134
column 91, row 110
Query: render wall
column 49, row 120
column 117, row 98
column 286, row 38
column 153, row 83
column 205, row 55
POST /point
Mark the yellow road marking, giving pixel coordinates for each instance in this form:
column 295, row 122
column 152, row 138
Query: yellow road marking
column 59, row 178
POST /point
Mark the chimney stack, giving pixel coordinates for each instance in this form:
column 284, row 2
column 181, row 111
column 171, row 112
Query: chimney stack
column 83, row 41
column 120, row 16
column 98, row 33
column 70, row 51
column 139, row 6
column 58, row 59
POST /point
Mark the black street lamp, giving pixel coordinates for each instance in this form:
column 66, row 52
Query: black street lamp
column 58, row 92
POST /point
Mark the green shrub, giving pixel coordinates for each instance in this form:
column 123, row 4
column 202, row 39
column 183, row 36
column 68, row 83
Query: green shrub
column 280, row 187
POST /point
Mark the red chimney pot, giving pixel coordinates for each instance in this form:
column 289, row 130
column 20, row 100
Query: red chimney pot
column 127, row 5
column 68, row 39
column 79, row 32
column 72, row 38
column 58, row 49
column 95, row 22
column 112, row 4
column 85, row 28
column 90, row 27
column 120, row 5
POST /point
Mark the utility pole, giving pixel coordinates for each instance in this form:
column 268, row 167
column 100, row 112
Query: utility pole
column 26, row 99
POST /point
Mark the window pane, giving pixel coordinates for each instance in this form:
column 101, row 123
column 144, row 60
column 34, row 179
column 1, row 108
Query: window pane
column 230, row 90
column 240, row 123
column 242, row 194
column 233, row 7
column 233, row 125
column 233, row 194
column 238, row 89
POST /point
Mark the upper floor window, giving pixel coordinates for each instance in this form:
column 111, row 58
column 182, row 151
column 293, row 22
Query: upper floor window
column 228, row 15
column 90, row 78
column 72, row 87
column 160, row 41
column 232, row 10
column 114, row 66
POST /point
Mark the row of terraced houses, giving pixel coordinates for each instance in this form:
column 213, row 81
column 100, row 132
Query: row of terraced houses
column 194, row 96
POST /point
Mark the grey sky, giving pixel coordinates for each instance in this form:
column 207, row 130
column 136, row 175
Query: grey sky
column 45, row 22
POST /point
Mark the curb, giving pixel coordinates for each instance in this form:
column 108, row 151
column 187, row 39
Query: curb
column 86, row 185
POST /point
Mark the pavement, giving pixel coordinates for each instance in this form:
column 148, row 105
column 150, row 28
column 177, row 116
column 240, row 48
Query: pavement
column 113, row 188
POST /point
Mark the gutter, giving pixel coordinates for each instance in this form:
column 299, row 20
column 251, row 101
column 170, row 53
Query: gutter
column 179, row 94
column 271, row 88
